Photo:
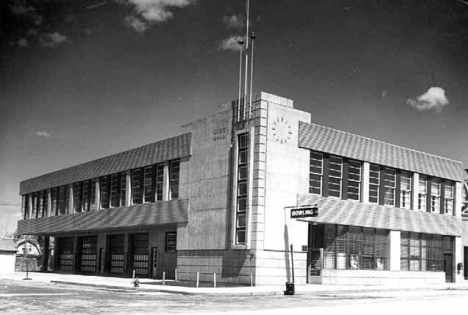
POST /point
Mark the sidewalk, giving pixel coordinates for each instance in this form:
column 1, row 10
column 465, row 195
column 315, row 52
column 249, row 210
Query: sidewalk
column 151, row 285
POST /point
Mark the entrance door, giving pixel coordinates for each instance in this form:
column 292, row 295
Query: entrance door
column 116, row 255
column 65, row 255
column 140, row 254
column 465, row 263
column 167, row 260
column 88, row 254
column 448, row 267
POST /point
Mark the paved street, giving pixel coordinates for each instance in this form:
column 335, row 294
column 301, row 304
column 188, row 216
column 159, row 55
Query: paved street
column 23, row 297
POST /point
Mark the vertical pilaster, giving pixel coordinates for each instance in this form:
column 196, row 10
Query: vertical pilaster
column 458, row 248
column 397, row 189
column 76, row 254
column 71, row 200
column 166, row 193
column 23, row 207
column 29, row 215
column 250, row 184
column 49, row 203
column 415, row 190
column 442, row 197
column 365, row 182
column 128, row 191
column 98, row 194
column 458, row 202
column 395, row 240
column 429, row 194
column 45, row 253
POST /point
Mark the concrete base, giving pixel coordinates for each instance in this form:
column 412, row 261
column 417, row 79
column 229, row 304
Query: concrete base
column 374, row 277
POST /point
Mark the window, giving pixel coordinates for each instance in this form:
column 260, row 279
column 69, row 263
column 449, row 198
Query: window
column 171, row 242
column 26, row 207
column 435, row 195
column 174, row 170
column 242, row 184
column 137, row 187
column 159, row 181
column 351, row 247
column 374, row 183
column 389, row 186
column 85, row 197
column 335, row 174
column 104, row 191
column 405, row 190
column 45, row 203
column 422, row 192
column 40, row 204
column 423, row 252
column 33, row 205
column 62, row 200
column 77, row 196
column 93, row 194
column 115, row 190
column 54, row 197
column 315, row 173
column 448, row 197
column 149, row 184
column 123, row 188
column 354, row 180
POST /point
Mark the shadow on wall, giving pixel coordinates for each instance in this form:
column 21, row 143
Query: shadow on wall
column 235, row 260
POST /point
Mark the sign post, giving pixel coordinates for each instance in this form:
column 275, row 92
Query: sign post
column 298, row 212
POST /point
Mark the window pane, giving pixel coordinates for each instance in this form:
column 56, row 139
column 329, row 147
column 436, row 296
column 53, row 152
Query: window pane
column 85, row 197
column 174, row 169
column 104, row 189
column 77, row 196
column 137, row 187
column 115, row 190
column 159, row 181
column 123, row 188
column 315, row 173
column 149, row 183
column 171, row 242
column 242, row 204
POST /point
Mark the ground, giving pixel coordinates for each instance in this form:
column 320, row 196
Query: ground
column 23, row 297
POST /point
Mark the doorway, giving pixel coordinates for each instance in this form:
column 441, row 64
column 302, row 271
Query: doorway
column 448, row 267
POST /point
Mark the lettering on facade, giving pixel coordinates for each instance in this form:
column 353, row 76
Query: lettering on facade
column 221, row 130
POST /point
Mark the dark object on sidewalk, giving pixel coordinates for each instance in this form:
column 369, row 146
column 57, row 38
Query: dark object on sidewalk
column 289, row 288
column 136, row 283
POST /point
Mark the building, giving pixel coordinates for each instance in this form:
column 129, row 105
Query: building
column 217, row 199
column 465, row 228
column 7, row 256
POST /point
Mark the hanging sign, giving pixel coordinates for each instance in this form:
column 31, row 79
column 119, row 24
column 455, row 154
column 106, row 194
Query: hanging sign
column 304, row 212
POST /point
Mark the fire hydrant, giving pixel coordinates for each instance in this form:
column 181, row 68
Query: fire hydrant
column 136, row 283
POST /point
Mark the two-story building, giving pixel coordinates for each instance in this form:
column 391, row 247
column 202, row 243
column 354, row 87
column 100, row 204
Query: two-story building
column 217, row 199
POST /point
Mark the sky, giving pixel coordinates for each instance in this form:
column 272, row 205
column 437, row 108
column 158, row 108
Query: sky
column 80, row 80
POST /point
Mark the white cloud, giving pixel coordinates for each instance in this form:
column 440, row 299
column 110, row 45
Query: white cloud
column 23, row 42
column 20, row 10
column 234, row 21
column 231, row 43
column 51, row 39
column 28, row 12
column 43, row 134
column 136, row 23
column 433, row 99
column 154, row 11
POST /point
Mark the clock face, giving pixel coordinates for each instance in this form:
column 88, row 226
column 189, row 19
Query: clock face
column 282, row 130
